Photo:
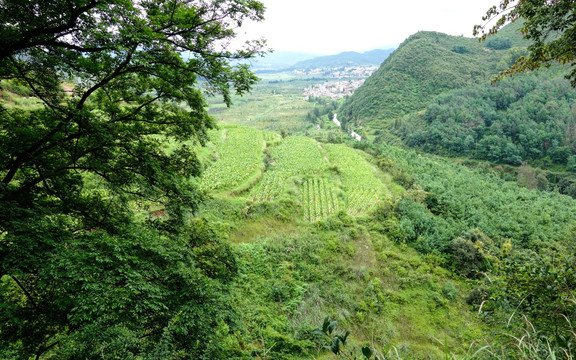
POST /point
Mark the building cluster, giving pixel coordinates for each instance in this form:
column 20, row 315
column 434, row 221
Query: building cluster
column 333, row 89
column 343, row 72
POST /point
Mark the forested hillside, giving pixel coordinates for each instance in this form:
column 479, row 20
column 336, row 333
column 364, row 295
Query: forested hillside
column 425, row 65
column 435, row 93
column 529, row 117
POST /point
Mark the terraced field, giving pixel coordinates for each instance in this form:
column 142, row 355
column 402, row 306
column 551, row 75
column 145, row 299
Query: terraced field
column 295, row 156
column 268, row 189
column 318, row 199
column 240, row 153
column 359, row 181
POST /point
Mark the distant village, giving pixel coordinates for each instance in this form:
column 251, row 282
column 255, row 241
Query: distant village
column 348, row 80
column 333, row 89
column 343, row 72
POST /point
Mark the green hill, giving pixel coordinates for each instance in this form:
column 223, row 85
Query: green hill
column 526, row 118
column 424, row 65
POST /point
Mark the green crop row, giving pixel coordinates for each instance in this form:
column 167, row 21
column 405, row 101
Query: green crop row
column 268, row 189
column 298, row 155
column 239, row 153
column 358, row 176
column 294, row 156
column 318, row 199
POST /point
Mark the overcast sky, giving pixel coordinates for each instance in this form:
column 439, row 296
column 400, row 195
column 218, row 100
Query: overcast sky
column 333, row 26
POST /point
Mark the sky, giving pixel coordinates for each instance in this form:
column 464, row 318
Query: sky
column 332, row 26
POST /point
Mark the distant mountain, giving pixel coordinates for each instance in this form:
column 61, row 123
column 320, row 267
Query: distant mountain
column 425, row 65
column 348, row 58
column 280, row 60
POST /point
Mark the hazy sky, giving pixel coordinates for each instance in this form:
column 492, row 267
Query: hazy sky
column 332, row 26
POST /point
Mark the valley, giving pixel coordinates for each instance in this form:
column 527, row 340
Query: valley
column 411, row 251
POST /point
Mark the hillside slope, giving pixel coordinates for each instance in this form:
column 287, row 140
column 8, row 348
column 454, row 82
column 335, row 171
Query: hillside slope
column 424, row 65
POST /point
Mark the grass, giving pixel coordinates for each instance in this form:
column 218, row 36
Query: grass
column 291, row 280
column 276, row 103
column 11, row 99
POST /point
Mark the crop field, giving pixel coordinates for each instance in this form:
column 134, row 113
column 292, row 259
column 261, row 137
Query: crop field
column 276, row 103
column 360, row 183
column 239, row 152
column 318, row 199
column 269, row 188
column 296, row 155
column 238, row 159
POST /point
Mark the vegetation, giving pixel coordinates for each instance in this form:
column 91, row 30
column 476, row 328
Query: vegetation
column 363, row 188
column 464, row 223
column 319, row 199
column 240, row 154
column 131, row 227
column 81, row 276
column 527, row 118
column 323, row 112
column 549, row 27
column 294, row 156
column 275, row 104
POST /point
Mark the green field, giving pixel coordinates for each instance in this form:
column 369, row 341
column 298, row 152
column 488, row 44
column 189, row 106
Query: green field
column 359, row 178
column 319, row 199
column 324, row 178
column 240, row 152
column 276, row 103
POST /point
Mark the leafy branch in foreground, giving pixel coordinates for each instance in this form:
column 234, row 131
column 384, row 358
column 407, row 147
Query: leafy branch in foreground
column 81, row 276
column 550, row 25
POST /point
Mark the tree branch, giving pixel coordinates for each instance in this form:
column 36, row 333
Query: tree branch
column 28, row 295
column 117, row 72
column 26, row 41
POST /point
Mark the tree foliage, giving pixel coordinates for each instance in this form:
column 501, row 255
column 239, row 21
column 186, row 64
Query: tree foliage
column 121, row 84
column 527, row 118
column 550, row 25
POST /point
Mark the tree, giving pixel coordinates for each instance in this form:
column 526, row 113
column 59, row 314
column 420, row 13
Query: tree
column 538, row 291
column 551, row 26
column 121, row 82
column 499, row 44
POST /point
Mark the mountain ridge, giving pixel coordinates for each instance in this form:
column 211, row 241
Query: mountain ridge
column 346, row 58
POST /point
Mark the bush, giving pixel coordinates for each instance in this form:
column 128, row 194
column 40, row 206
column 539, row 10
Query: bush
column 502, row 43
column 466, row 259
column 449, row 290
column 460, row 49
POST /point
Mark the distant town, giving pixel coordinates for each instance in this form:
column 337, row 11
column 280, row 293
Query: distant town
column 347, row 80
column 333, row 89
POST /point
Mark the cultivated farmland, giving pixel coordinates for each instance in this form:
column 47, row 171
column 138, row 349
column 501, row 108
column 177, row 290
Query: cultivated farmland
column 363, row 189
column 239, row 152
column 260, row 166
column 318, row 198
column 295, row 156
